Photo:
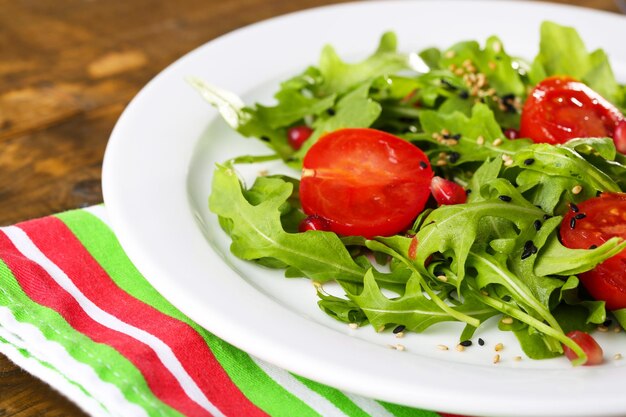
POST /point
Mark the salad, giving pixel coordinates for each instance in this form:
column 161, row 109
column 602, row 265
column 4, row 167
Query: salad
column 445, row 185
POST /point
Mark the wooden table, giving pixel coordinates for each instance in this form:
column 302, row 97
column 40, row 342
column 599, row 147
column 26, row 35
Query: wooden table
column 67, row 69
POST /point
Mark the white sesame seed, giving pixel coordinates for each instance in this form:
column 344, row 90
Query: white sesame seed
column 617, row 329
column 263, row 172
column 353, row 326
column 442, row 278
column 508, row 163
column 400, row 347
column 617, row 356
column 498, row 347
column 459, row 71
column 400, row 335
column 507, row 320
column 496, row 358
column 441, row 163
column 497, row 142
column 603, row 329
column 480, row 140
column 442, row 347
column 517, row 358
column 460, row 347
column 577, row 189
column 450, row 54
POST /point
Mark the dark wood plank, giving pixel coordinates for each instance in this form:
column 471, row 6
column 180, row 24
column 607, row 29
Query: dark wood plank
column 67, row 69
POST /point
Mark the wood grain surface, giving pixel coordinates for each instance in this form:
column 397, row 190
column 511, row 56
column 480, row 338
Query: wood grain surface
column 67, row 70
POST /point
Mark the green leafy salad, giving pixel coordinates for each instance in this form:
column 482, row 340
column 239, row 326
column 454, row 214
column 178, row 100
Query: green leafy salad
column 498, row 252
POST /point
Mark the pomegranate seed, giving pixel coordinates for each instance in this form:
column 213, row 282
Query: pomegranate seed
column 619, row 136
column 588, row 344
column 297, row 135
column 314, row 222
column 511, row 133
column 447, row 192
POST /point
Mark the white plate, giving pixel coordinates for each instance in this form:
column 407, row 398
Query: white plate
column 156, row 179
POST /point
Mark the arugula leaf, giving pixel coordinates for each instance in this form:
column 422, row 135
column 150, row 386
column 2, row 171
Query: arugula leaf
column 563, row 52
column 413, row 309
column 480, row 138
column 355, row 109
column 292, row 107
column 257, row 231
column 340, row 76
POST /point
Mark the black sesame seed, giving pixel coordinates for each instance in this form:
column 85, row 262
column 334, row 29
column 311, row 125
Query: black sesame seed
column 454, row 156
column 331, row 112
column 466, row 343
column 572, row 223
column 573, row 207
column 529, row 161
column 529, row 249
column 448, row 84
column 537, row 224
column 505, row 198
column 580, row 216
column 457, row 136
column 399, row 329
column 508, row 97
column 598, row 193
column 265, row 138
column 481, row 341
column 468, row 191
column 464, row 95
column 607, row 322
column 546, row 216
column 423, row 165
column 593, row 246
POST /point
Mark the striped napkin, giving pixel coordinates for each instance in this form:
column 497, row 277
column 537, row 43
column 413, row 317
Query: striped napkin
column 76, row 313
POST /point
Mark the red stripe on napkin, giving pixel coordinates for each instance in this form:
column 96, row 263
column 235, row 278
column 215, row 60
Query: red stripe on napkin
column 41, row 288
column 60, row 245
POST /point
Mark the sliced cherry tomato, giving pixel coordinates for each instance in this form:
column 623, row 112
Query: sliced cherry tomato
column 588, row 344
column 619, row 136
column 561, row 108
column 447, row 192
column 297, row 135
column 365, row 182
column 592, row 223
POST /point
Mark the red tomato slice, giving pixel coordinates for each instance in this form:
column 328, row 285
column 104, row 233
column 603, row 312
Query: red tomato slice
column 561, row 108
column 588, row 344
column 595, row 221
column 365, row 182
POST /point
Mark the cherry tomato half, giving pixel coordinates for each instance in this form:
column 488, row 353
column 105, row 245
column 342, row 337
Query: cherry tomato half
column 588, row 344
column 594, row 222
column 365, row 182
column 560, row 108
